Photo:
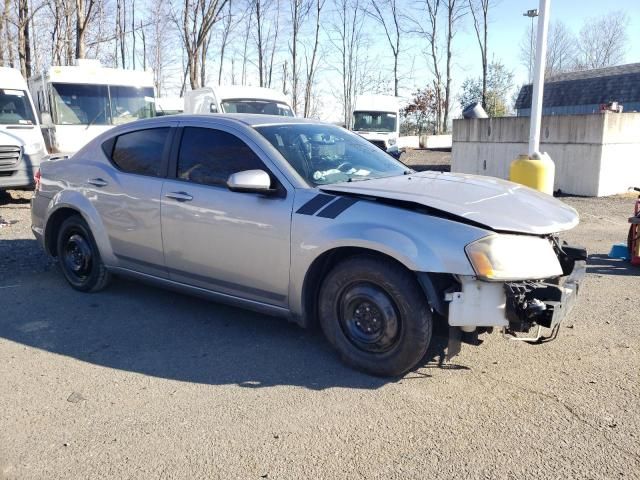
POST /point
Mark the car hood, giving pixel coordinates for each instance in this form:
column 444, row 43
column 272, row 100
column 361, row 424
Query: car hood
column 491, row 202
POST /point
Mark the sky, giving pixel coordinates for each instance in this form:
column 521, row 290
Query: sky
column 507, row 26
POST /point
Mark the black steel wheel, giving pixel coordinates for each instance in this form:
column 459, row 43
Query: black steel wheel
column 79, row 257
column 368, row 317
column 373, row 311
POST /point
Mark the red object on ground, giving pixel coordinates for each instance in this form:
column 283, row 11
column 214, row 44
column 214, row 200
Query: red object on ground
column 634, row 234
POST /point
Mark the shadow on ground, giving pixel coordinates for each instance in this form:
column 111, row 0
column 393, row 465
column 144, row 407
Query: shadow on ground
column 146, row 330
column 601, row 264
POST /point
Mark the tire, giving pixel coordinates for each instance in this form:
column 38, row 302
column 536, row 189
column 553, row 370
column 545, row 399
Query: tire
column 630, row 241
column 375, row 314
column 78, row 256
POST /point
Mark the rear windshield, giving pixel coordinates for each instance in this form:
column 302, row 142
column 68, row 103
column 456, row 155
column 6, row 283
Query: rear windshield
column 15, row 108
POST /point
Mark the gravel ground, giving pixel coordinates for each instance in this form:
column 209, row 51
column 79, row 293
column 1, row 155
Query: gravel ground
column 136, row 382
column 421, row 159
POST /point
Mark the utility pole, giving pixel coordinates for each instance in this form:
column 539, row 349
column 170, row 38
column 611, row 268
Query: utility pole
column 538, row 78
column 536, row 169
column 531, row 14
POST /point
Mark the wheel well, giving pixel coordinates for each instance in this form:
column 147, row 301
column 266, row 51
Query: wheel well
column 53, row 226
column 318, row 270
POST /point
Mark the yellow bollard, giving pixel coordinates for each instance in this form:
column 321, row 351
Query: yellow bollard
column 536, row 173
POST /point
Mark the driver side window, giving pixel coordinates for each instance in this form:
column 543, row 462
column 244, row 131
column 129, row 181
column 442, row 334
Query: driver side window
column 208, row 156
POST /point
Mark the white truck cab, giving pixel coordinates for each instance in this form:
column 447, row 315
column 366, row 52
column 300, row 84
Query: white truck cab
column 22, row 146
column 377, row 118
column 79, row 102
column 237, row 99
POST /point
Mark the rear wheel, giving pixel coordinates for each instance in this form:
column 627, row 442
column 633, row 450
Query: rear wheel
column 375, row 314
column 79, row 257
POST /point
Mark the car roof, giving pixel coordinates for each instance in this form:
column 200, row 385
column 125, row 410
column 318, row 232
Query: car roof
column 251, row 120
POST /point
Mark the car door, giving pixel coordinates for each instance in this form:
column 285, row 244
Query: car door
column 230, row 242
column 126, row 195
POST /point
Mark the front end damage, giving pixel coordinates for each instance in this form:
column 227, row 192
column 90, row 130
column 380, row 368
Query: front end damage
column 534, row 308
column 545, row 304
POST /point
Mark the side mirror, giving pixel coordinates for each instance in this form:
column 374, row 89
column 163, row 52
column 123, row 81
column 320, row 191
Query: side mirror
column 250, row 181
column 46, row 120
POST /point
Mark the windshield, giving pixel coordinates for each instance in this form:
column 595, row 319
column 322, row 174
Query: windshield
column 326, row 154
column 78, row 104
column 262, row 107
column 374, row 122
column 15, row 108
column 131, row 103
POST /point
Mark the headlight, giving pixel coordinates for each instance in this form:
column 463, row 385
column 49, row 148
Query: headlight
column 33, row 148
column 391, row 142
column 513, row 257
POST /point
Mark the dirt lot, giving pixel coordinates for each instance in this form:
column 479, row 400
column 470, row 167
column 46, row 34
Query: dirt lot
column 137, row 382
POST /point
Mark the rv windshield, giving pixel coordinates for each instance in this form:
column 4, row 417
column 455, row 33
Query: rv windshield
column 262, row 107
column 131, row 103
column 15, row 108
column 79, row 104
column 374, row 122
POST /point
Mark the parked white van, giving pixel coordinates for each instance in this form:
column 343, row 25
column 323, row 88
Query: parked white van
column 79, row 102
column 22, row 147
column 237, row 99
column 377, row 118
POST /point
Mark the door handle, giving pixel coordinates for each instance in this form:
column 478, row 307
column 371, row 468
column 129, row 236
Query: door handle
column 97, row 182
column 179, row 196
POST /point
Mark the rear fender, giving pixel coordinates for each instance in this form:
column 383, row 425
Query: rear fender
column 75, row 200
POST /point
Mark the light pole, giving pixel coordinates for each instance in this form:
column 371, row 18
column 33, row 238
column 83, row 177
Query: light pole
column 531, row 14
column 536, row 169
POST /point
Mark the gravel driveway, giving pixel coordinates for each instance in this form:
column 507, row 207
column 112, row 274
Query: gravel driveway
column 136, row 382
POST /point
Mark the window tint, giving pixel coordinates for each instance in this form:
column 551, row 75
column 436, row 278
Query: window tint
column 141, row 151
column 209, row 156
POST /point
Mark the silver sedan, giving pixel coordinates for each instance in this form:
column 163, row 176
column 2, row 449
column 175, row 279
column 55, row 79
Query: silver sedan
column 308, row 221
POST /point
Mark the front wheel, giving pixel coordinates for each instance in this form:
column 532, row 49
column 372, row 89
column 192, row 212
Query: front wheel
column 375, row 314
column 79, row 257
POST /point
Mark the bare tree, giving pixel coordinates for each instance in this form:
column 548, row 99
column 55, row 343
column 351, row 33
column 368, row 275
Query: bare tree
column 430, row 31
column 386, row 13
column 299, row 10
column 603, row 41
column 456, row 10
column 480, row 12
column 197, row 19
column 84, row 11
column 4, row 27
column 561, row 49
column 350, row 43
column 267, row 27
column 229, row 22
column 311, row 62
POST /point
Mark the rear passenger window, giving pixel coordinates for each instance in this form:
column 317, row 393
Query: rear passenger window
column 209, row 156
column 141, row 151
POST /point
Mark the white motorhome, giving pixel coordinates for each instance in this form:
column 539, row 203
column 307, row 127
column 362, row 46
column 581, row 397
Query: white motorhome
column 77, row 103
column 377, row 118
column 237, row 99
column 22, row 147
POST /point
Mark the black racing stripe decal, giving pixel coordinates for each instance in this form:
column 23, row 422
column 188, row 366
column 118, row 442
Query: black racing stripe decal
column 337, row 207
column 315, row 204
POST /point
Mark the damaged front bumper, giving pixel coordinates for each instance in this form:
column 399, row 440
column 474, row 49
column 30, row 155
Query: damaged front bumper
column 519, row 306
column 542, row 304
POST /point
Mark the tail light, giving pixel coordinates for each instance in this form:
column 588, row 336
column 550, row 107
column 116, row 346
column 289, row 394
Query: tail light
column 36, row 177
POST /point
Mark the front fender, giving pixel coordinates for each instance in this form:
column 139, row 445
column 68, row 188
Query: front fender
column 421, row 242
column 75, row 200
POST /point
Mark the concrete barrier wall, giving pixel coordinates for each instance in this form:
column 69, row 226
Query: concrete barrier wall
column 595, row 155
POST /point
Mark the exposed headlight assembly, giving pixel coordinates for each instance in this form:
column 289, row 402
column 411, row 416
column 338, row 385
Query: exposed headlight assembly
column 513, row 257
column 391, row 141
